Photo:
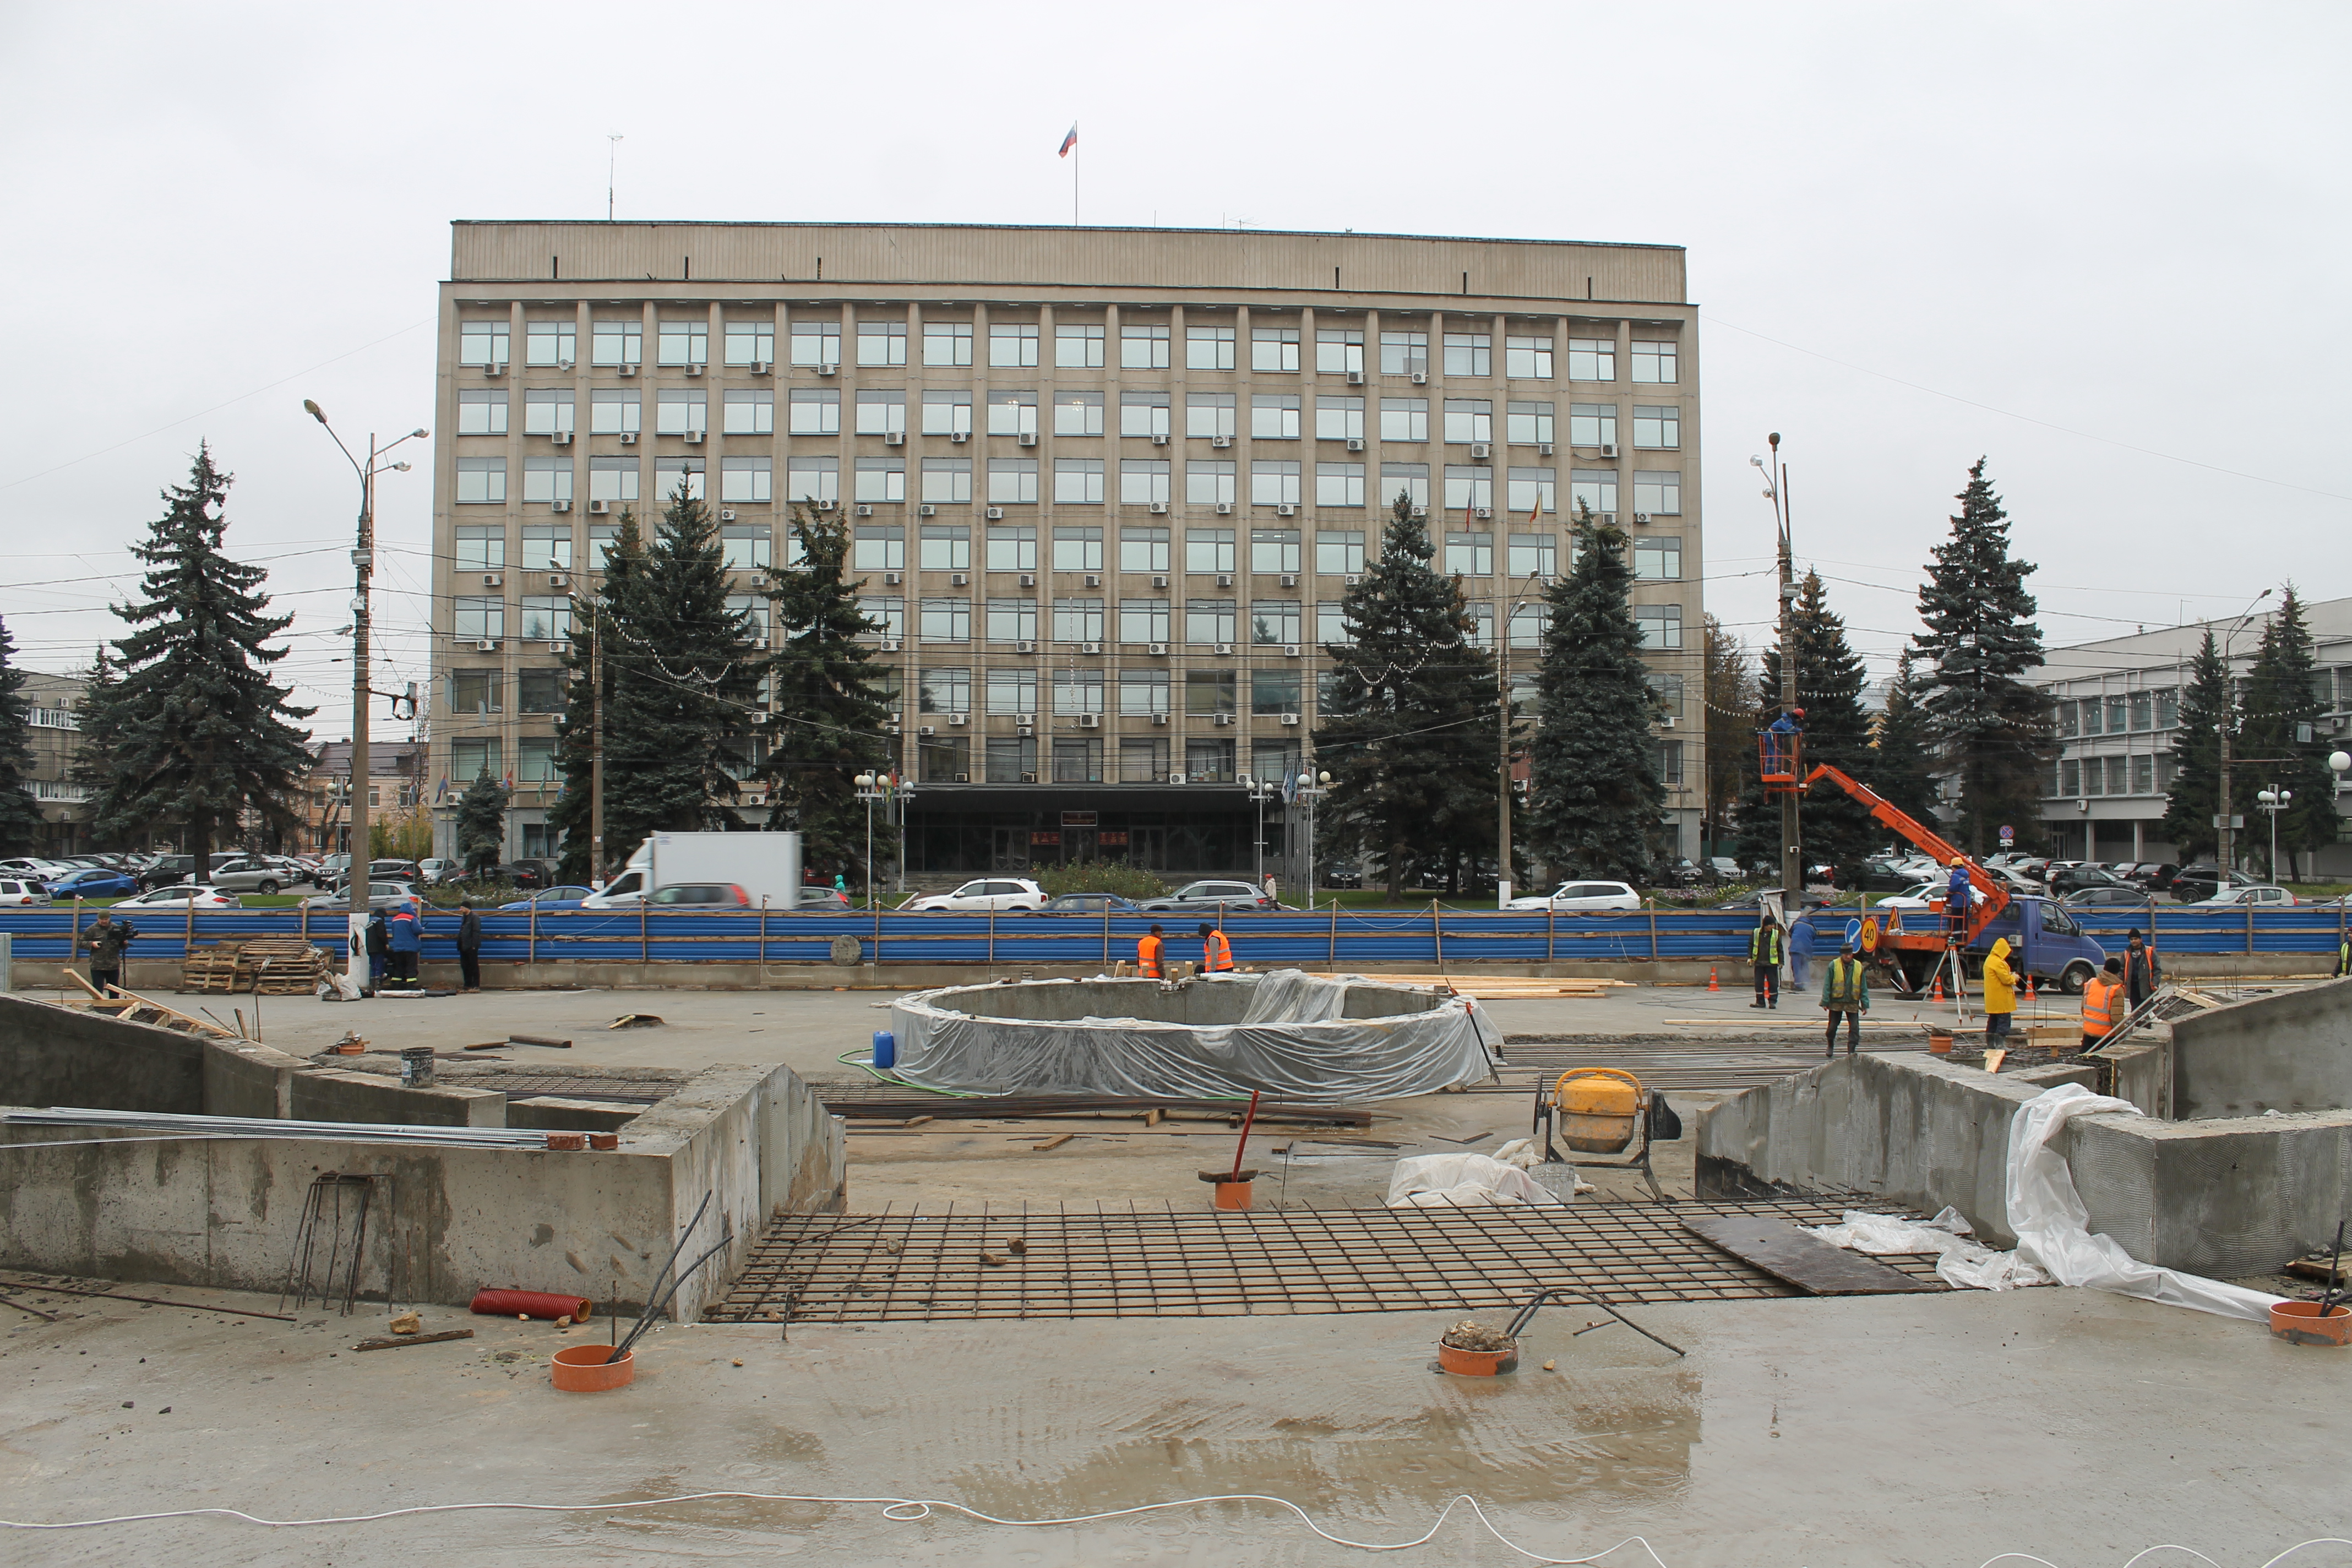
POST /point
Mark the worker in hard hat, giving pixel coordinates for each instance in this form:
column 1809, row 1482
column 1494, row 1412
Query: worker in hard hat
column 1845, row 993
column 1147, row 954
column 1779, row 745
column 1765, row 953
column 1216, row 953
column 1957, row 894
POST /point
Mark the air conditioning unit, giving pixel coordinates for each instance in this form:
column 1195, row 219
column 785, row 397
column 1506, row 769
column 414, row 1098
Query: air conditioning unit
column 1289, row 582
column 958, row 437
column 600, row 506
column 1641, row 518
column 927, row 730
column 963, row 778
column 865, row 510
column 994, row 513
column 1156, row 650
column 1159, row 582
column 1290, row 718
column 1159, row 509
column 892, row 579
column 1224, row 509
column 559, row 648
column 1355, row 443
column 497, row 369
column 1290, row 650
column 960, row 580
column 1094, row 580
column 1420, row 378
column 624, row 370
column 1482, row 512
column 1028, row 579
column 1025, row 648
column 1224, row 651
column 828, row 505
column 563, row 365
column 892, row 645
column 493, row 579
column 692, row 437
column 693, row 370
column 1159, row 718
column 893, row 438
column 1667, row 723
column 927, row 509
column 1480, row 452
column 956, row 719
column 561, row 437
column 1608, row 449
column 1028, row 438
column 1225, row 581
column 1089, row 721
column 1028, row 778
column 1355, row 378
column 628, row 437
column 1285, row 509
column 486, row 645
column 1160, row 439
column 1175, row 778
column 1543, row 448
column 828, row 370
column 1090, row 648
column 558, row 580
column 1221, row 440
column 1421, row 514
column 726, row 514
column 1353, row 582
column 1609, row 518
column 761, row 367
column 559, row 506
column 1221, row 720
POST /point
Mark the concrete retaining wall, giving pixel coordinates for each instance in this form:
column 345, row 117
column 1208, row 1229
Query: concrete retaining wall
column 55, row 1056
column 2291, row 1051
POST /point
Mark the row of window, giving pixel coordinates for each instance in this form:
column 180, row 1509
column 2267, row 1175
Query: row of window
column 1077, row 481
column 1013, row 345
column 2123, row 713
column 2144, row 774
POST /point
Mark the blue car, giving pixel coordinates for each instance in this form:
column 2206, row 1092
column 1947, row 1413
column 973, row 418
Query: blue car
column 94, row 883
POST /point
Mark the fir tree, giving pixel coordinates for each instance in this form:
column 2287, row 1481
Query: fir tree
column 187, row 724
column 1992, row 729
column 1835, row 828
column 826, row 722
column 2282, row 723
column 611, row 601
column 1730, row 695
column 1410, row 722
column 1905, row 770
column 2194, row 798
column 1596, row 802
column 20, row 815
column 481, row 823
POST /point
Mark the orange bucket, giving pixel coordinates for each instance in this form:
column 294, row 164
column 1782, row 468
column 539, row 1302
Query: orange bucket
column 2300, row 1323
column 1233, row 1195
column 591, row 1369
column 1939, row 1044
column 1476, row 1363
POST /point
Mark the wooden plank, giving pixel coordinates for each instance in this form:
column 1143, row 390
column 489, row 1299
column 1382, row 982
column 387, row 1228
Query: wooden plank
column 404, row 1340
column 1803, row 1258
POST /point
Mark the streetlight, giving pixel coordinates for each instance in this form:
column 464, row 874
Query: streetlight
column 2225, row 821
column 1776, row 490
column 1310, row 790
column 869, row 791
column 2273, row 801
column 364, row 564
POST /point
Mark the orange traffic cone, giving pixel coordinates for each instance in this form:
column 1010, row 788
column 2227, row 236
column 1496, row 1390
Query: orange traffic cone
column 1938, row 996
column 1712, row 984
column 2029, row 985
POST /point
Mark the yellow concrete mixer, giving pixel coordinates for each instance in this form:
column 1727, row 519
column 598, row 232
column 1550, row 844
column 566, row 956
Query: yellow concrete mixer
column 1605, row 1110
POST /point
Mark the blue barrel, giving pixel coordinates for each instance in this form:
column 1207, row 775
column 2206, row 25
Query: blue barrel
column 885, row 1049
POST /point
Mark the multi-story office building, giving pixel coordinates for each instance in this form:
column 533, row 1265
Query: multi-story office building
column 2118, row 707
column 54, row 704
column 1107, row 487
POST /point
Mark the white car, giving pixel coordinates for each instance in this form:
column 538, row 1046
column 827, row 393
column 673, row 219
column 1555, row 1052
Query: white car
column 1922, row 896
column 16, row 892
column 432, row 873
column 39, row 870
column 988, row 893
column 1574, row 897
column 178, row 896
column 2261, row 895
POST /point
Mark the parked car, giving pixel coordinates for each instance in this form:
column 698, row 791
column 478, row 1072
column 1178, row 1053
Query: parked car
column 1918, row 896
column 381, row 896
column 1755, row 900
column 1090, row 904
column 1721, row 868
column 2196, row 883
column 2156, row 876
column 181, row 896
column 1571, row 898
column 93, row 884
column 431, row 872
column 18, row 892
column 700, row 895
column 523, row 875
column 822, row 901
column 2260, row 894
column 2079, row 875
column 1211, row 897
column 2113, row 896
column 565, row 897
column 1343, row 875
column 983, row 894
column 251, row 875
column 166, row 871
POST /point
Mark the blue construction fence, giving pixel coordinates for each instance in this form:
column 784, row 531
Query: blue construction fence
column 1320, row 937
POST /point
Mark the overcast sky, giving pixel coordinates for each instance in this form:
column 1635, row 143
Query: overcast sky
column 2101, row 244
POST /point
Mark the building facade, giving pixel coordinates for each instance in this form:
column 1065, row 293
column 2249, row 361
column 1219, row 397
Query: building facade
column 1107, row 488
column 395, row 787
column 2118, row 707
column 55, row 702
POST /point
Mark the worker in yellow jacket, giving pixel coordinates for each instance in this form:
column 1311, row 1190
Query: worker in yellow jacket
column 1999, row 993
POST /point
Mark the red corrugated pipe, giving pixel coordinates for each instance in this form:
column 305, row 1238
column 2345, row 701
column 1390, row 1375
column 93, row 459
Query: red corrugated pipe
column 530, row 1303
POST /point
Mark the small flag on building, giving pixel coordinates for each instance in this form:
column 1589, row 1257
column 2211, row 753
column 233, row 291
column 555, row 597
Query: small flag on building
column 443, row 791
column 1070, row 141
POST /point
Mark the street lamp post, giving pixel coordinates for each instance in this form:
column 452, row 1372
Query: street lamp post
column 1776, row 490
column 2225, row 820
column 2273, row 801
column 869, row 790
column 364, row 564
column 1311, row 786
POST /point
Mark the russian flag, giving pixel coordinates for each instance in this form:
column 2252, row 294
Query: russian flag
column 1070, row 141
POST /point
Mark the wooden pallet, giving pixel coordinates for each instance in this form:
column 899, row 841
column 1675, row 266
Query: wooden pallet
column 284, row 966
column 219, row 967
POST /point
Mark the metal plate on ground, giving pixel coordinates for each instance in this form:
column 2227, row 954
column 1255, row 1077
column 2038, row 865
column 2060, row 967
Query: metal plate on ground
column 1803, row 1258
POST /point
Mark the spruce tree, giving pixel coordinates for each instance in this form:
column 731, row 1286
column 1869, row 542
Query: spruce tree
column 1729, row 696
column 2194, row 798
column 2284, row 740
column 612, row 601
column 187, row 724
column 20, row 815
column 1835, row 828
column 1904, row 769
column 1597, row 805
column 824, row 723
column 481, row 823
column 1408, row 726
column 1992, row 729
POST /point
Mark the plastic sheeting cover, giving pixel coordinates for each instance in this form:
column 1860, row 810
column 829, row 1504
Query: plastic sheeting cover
column 1292, row 1044
column 1463, row 1181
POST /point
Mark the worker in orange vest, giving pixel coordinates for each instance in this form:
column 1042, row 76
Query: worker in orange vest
column 2102, row 1002
column 1147, row 954
column 1216, row 953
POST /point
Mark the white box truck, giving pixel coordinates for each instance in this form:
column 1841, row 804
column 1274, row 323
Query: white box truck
column 766, row 865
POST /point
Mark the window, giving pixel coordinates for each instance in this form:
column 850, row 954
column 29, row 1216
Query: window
column 1013, row 620
column 1208, row 348
column 752, row 613
column 482, row 411
column 881, row 479
column 1339, row 552
column 1079, row 549
column 946, row 413
column 1142, row 690
column 1208, row 549
column 1471, row 486
column 1212, row 621
column 814, row 411
column 945, row 620
column 1469, row 353
column 947, row 480
column 1338, row 418
column 2143, row 774
column 812, row 479
column 675, row 476
column 1012, row 413
column 1470, row 554
column 1013, row 481
column 1143, row 414
column 946, row 547
column 474, row 691
column 882, row 342
column 472, row 618
column 1209, row 762
column 947, row 342
column 1339, row 484
column 1143, row 550
column 535, row 760
column 679, row 409
column 746, row 480
column 481, row 549
column 1666, row 691
column 1530, row 492
column 2092, row 709
column 1404, row 419
column 617, row 342
column 1592, row 424
column 613, row 479
column 2066, row 722
column 1526, row 424
column 1469, row 419
column 481, row 480
column 1528, row 624
column 1012, row 549
column 1482, row 623
column 685, row 343
column 746, row 545
column 1208, row 691
column 752, row 413
column 1209, row 484
column 1143, row 483
column 1274, row 550
column 482, row 342
column 1145, row 621
column 1274, row 416
column 816, row 343
column 1013, row 344
column 1592, row 359
column 2116, row 710
column 1338, row 351
column 1274, row 484
column 1657, row 559
column 1657, row 494
column 1657, row 427
column 881, row 412
column 946, row 690
column 751, row 343
column 1331, row 624
column 1404, row 353
column 547, row 547
column 1208, row 414
column 1078, row 690
column 2143, row 710
column 537, row 691
column 611, row 413
column 2167, row 708
column 1670, row 763
column 1593, row 491
column 1274, row 349
column 470, row 758
column 879, row 547
column 1654, row 362
column 1012, row 759
column 1277, row 623
column 2164, row 766
column 885, row 616
column 1142, row 347
column 1662, row 624
column 1079, row 620
column 1533, row 555
column 944, row 759
column 1408, row 479
column 1275, row 692
column 1527, row 358
column 1077, row 346
column 1077, row 413
column 2070, row 777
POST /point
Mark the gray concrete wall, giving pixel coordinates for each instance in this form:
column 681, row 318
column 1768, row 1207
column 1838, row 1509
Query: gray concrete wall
column 2288, row 1052
column 553, row 1113
column 329, row 1094
column 59, row 1056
